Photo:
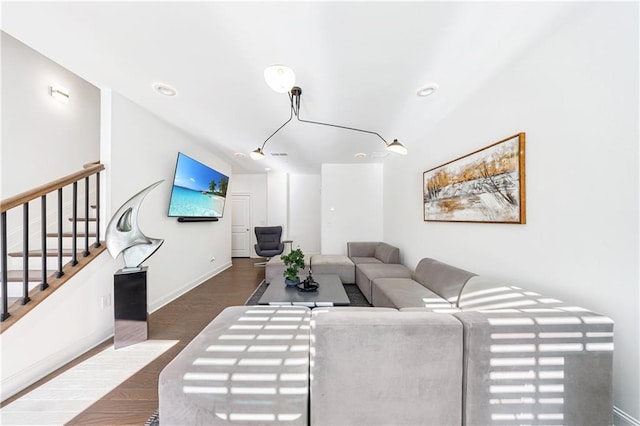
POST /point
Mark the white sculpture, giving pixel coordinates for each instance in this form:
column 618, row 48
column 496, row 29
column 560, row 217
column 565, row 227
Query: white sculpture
column 124, row 236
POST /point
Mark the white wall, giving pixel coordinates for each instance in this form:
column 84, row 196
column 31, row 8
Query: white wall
column 143, row 150
column 43, row 139
column 304, row 212
column 290, row 200
column 277, row 201
column 254, row 185
column 351, row 205
column 575, row 94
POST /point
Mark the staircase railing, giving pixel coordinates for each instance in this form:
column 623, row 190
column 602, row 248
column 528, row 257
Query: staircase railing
column 23, row 200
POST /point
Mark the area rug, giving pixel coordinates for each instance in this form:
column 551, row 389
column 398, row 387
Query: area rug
column 353, row 292
column 154, row 420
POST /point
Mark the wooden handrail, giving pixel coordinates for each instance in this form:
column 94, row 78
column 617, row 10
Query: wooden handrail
column 38, row 192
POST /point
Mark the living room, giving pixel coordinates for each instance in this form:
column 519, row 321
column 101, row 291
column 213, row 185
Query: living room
column 571, row 86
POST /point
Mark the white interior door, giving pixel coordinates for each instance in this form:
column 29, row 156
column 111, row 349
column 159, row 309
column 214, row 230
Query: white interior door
column 241, row 226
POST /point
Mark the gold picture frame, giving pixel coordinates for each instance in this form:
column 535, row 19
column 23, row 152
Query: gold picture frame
column 485, row 186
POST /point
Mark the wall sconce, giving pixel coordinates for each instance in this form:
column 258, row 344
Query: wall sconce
column 59, row 93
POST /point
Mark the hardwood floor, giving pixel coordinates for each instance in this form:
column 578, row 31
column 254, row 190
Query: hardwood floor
column 134, row 401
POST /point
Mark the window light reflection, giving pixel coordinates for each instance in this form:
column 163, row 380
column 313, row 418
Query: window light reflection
column 507, row 362
column 607, row 346
column 513, row 335
column 238, row 377
column 262, row 362
column 226, row 348
column 510, row 375
column 237, row 337
column 211, row 390
column 268, row 348
column 560, row 347
column 253, row 391
column 215, row 361
column 551, row 360
column 512, row 348
column 273, row 362
column 206, row 376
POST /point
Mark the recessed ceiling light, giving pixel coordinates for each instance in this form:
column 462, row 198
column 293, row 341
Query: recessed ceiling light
column 164, row 89
column 360, row 155
column 239, row 154
column 427, row 90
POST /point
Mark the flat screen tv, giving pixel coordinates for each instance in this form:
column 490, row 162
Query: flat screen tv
column 199, row 191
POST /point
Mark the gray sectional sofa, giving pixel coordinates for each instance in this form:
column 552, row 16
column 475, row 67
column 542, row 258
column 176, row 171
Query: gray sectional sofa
column 441, row 346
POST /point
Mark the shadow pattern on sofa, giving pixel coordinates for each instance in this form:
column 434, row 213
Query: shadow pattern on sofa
column 442, row 346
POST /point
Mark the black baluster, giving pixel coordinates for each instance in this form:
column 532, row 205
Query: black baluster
column 86, row 215
column 43, row 212
column 59, row 273
column 97, row 210
column 25, row 253
column 4, row 314
column 74, row 226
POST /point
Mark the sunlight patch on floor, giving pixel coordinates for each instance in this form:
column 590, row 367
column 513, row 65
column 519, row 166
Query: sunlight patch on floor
column 64, row 397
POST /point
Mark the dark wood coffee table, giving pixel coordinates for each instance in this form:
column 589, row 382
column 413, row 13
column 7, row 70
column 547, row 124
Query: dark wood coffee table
column 330, row 293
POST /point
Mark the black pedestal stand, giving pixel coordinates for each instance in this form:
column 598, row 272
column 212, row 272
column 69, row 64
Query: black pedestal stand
column 130, row 307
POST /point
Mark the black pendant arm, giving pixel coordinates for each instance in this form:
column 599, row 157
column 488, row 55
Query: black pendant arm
column 342, row 127
column 278, row 129
column 295, row 95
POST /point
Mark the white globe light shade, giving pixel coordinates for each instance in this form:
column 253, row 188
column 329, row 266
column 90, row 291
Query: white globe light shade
column 280, row 78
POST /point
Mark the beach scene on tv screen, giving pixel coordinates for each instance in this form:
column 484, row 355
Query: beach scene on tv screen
column 198, row 190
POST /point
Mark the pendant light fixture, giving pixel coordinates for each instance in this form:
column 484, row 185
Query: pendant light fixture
column 281, row 79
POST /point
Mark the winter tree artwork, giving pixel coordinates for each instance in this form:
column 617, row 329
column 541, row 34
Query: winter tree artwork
column 486, row 186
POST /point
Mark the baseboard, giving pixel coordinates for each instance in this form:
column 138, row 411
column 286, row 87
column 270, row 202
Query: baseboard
column 25, row 378
column 620, row 418
column 159, row 303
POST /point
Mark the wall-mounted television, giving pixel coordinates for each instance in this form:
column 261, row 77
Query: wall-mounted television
column 199, row 192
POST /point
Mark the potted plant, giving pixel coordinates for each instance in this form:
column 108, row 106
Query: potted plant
column 293, row 261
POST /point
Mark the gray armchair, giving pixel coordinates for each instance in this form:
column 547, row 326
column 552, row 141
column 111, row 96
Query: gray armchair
column 269, row 242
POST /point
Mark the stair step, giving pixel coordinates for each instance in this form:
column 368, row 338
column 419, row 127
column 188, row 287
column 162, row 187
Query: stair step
column 70, row 234
column 34, row 275
column 38, row 253
column 83, row 219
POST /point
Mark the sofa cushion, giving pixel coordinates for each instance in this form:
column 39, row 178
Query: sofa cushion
column 361, row 248
column 420, row 384
column 334, row 264
column 359, row 260
column 196, row 387
column 367, row 272
column 482, row 293
column 445, row 280
column 406, row 293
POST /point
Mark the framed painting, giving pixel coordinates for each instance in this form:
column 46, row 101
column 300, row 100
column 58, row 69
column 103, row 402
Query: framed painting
column 486, row 186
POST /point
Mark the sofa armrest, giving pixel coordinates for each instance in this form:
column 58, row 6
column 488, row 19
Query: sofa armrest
column 362, row 248
column 537, row 365
column 387, row 253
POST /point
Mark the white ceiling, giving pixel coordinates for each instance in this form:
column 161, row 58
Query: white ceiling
column 359, row 64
